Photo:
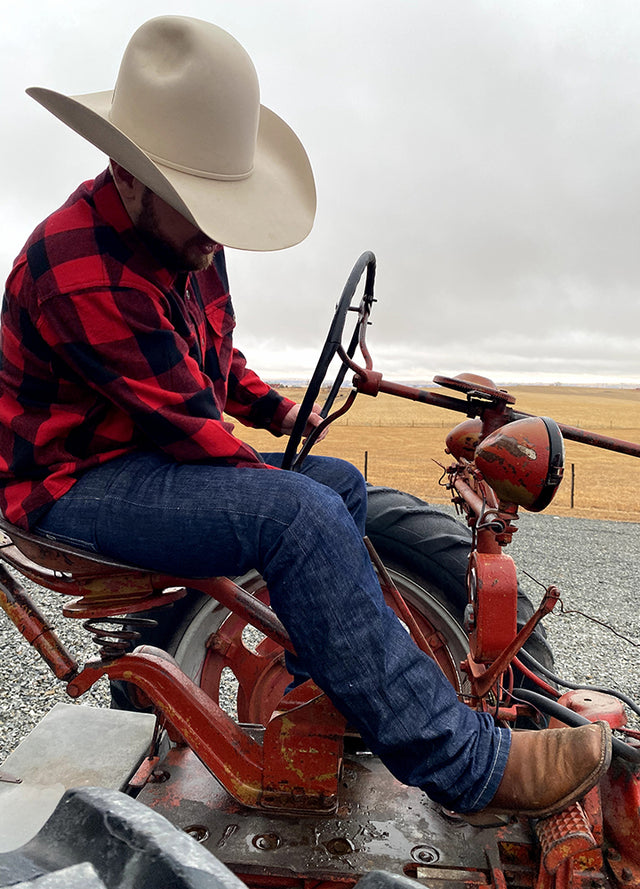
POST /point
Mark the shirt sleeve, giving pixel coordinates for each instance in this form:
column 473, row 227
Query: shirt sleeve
column 122, row 343
column 252, row 401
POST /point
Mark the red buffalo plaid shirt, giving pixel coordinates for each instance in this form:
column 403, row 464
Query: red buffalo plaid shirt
column 104, row 352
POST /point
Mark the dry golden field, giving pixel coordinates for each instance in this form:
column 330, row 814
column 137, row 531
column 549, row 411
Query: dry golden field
column 402, row 440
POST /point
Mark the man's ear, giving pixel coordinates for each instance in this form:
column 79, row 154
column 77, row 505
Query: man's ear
column 125, row 181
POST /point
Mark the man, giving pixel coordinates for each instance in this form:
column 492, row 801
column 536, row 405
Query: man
column 117, row 363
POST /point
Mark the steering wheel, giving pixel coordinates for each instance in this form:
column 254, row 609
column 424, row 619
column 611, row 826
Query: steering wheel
column 332, row 345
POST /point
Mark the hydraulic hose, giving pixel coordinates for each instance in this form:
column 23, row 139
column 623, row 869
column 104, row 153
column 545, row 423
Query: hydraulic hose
column 569, row 717
column 539, row 668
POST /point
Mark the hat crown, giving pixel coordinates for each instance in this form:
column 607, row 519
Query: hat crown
column 187, row 93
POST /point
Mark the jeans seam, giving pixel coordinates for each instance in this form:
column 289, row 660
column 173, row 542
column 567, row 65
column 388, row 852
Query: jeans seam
column 210, row 508
column 494, row 765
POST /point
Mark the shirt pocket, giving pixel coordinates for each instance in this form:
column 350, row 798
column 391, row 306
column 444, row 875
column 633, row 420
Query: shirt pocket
column 220, row 322
column 220, row 316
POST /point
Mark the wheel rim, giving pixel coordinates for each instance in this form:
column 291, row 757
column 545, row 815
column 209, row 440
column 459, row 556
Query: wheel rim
column 245, row 672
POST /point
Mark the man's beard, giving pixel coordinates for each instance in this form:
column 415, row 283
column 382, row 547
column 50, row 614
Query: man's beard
column 187, row 259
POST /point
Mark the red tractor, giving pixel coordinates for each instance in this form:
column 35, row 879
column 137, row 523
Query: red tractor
column 279, row 789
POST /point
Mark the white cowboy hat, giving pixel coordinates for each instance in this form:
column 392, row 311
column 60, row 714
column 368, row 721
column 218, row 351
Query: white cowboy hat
column 185, row 119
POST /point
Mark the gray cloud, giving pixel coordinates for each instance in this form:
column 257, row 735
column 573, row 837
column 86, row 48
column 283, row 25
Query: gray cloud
column 486, row 151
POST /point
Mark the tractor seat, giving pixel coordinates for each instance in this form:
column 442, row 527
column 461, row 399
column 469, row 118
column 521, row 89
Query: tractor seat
column 23, row 549
column 105, row 587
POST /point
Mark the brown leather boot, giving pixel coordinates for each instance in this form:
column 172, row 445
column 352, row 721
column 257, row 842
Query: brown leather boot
column 548, row 770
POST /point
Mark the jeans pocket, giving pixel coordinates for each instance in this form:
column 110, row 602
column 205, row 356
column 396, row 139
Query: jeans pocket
column 56, row 537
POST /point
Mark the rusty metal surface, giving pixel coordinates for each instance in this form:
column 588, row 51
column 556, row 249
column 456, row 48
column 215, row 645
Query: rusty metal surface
column 23, row 612
column 233, row 597
column 482, row 401
column 594, row 705
column 58, row 557
column 474, row 385
column 380, row 824
column 621, row 805
column 219, row 741
column 483, row 679
column 303, row 747
column 296, row 767
column 492, row 623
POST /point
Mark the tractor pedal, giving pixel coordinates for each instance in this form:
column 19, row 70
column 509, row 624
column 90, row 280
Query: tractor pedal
column 563, row 836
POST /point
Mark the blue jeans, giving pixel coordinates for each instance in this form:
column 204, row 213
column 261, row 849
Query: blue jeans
column 303, row 532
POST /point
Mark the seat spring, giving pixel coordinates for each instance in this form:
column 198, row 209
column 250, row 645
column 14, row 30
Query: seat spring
column 115, row 636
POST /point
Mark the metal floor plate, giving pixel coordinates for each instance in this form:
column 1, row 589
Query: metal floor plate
column 380, row 824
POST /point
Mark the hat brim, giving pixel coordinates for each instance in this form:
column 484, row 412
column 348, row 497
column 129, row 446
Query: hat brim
column 273, row 208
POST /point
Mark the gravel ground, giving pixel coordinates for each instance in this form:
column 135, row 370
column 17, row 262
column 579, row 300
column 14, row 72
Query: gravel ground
column 594, row 563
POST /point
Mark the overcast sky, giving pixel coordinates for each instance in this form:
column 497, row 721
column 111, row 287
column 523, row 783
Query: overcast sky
column 487, row 152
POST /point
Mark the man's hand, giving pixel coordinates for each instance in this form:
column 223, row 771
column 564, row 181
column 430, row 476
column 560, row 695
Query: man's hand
column 314, row 420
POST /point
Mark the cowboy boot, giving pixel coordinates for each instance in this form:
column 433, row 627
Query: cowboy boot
column 548, row 770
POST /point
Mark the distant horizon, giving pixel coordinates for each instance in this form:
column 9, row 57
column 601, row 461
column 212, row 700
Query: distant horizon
column 299, row 382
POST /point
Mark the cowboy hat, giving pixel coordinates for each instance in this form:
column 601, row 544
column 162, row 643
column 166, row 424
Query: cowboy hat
column 185, row 119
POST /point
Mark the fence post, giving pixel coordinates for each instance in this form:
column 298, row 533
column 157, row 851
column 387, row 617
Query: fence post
column 573, row 482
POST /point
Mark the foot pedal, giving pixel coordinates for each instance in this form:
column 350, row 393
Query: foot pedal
column 563, row 836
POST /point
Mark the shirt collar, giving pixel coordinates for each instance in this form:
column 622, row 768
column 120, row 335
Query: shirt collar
column 109, row 206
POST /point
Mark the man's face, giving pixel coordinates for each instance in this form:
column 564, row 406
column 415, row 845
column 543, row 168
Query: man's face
column 179, row 245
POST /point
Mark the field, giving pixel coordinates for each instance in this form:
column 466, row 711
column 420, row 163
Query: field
column 402, row 439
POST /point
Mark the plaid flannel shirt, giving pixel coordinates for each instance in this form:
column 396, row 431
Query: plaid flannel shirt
column 103, row 352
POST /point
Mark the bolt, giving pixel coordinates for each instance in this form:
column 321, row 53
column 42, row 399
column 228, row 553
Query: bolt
column 627, row 874
column 198, row 831
column 217, row 645
column 339, row 846
column 425, row 854
column 159, row 776
column 266, row 841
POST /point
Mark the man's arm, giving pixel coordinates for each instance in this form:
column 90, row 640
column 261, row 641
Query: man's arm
column 257, row 404
column 253, row 401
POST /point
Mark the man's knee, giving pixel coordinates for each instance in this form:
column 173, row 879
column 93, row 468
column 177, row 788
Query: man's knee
column 311, row 510
column 347, row 481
